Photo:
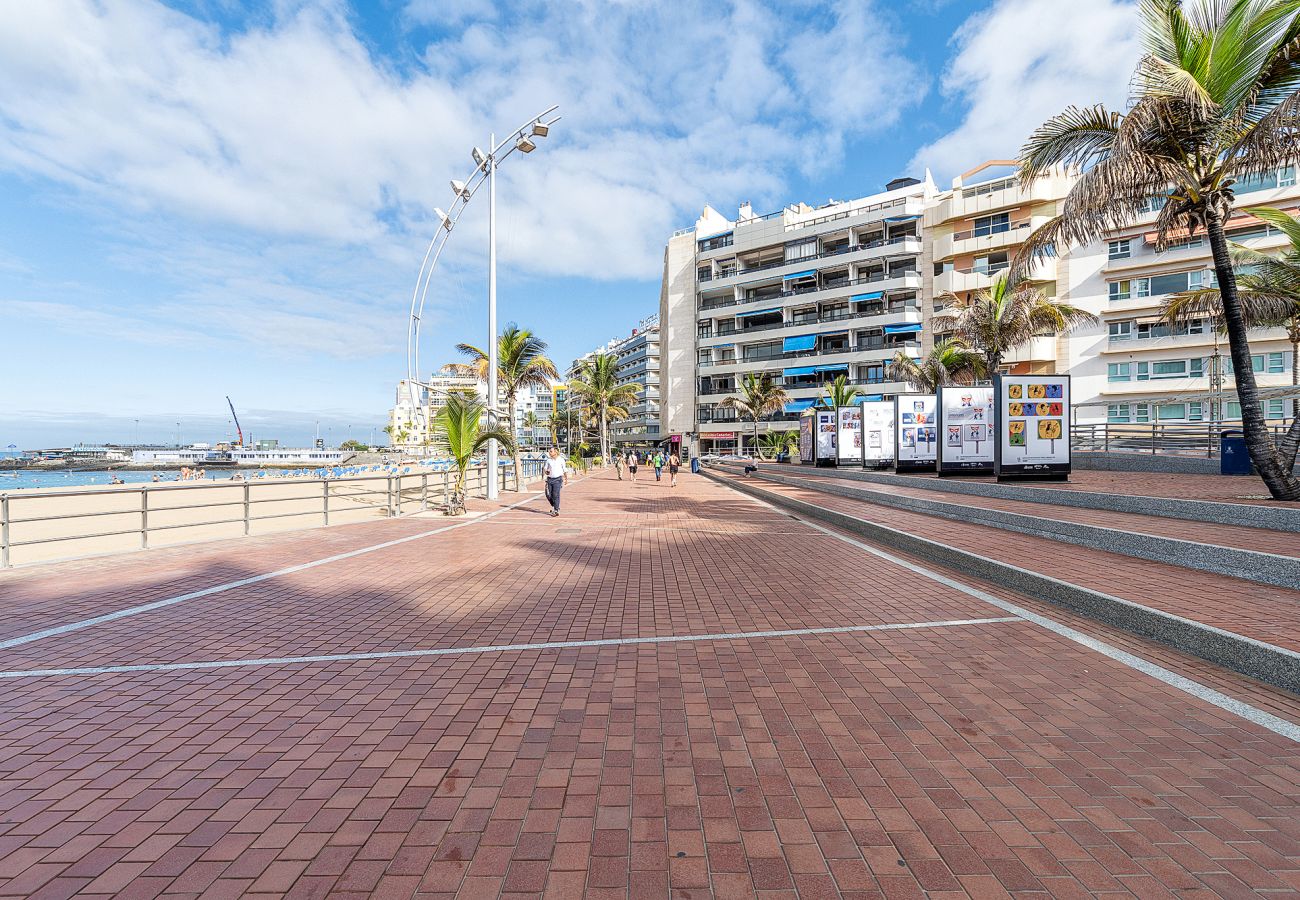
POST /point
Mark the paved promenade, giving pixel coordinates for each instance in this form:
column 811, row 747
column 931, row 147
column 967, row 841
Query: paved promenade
column 665, row 692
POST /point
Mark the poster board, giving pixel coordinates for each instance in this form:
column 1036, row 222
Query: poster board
column 848, row 441
column 1033, row 424
column 966, row 430
column 807, row 438
column 878, row 433
column 825, row 437
column 916, row 433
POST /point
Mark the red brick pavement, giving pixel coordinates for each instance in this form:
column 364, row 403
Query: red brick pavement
column 980, row 759
column 1213, row 488
column 1263, row 612
column 1262, row 540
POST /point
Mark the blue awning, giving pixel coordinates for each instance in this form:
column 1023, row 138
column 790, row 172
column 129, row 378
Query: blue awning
column 904, row 328
column 797, row 371
column 721, row 346
column 759, row 312
column 872, row 398
column 810, row 273
column 798, row 405
column 719, row 234
column 901, row 218
column 839, row 367
column 803, row 342
column 875, row 295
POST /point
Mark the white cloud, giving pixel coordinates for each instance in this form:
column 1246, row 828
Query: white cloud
column 293, row 129
column 1023, row 61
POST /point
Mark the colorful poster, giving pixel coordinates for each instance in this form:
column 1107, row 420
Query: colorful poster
column 918, row 433
column 1035, row 440
column 825, row 436
column 849, row 441
column 878, row 427
column 806, row 439
column 964, row 414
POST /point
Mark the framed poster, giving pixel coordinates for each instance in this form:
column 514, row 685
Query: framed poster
column 966, row 419
column 878, row 433
column 1033, row 427
column 915, row 432
column 807, row 438
column 825, row 437
column 848, row 441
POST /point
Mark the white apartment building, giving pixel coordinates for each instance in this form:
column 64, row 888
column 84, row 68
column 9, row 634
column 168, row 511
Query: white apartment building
column 1133, row 368
column 638, row 365
column 411, row 431
column 803, row 294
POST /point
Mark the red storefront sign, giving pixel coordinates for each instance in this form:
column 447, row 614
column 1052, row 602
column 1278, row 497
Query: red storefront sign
column 719, row 436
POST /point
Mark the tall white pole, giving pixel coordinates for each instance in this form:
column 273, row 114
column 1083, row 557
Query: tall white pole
column 492, row 317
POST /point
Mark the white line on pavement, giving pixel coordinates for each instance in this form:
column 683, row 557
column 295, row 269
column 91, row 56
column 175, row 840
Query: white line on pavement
column 1179, row 682
column 499, row 648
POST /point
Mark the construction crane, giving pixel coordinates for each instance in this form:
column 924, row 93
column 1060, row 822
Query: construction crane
column 240, row 431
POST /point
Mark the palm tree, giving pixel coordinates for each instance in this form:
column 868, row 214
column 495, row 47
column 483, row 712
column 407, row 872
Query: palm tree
column 759, row 397
column 460, row 430
column 521, row 363
column 530, row 422
column 1007, row 314
column 596, row 385
column 1216, row 98
column 948, row 362
column 1269, row 293
column 839, row 392
column 774, row 443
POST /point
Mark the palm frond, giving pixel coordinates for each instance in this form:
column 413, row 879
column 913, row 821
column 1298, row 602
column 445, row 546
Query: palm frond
column 1075, row 138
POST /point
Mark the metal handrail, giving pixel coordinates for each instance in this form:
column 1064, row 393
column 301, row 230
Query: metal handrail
column 336, row 495
column 1174, row 438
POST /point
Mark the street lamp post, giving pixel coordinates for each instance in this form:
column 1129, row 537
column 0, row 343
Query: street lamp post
column 524, row 140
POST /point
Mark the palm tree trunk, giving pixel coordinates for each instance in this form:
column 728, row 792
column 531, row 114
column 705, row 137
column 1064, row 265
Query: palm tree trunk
column 604, row 437
column 756, row 436
column 511, row 403
column 1290, row 442
column 1282, row 485
column 993, row 359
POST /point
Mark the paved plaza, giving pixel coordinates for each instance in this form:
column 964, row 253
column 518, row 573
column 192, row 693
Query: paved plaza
column 678, row 692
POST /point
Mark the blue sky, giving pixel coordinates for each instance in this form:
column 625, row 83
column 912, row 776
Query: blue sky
column 209, row 198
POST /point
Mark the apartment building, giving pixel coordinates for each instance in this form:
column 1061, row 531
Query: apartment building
column 1134, row 368
column 411, row 431
column 973, row 231
column 803, row 294
column 637, row 360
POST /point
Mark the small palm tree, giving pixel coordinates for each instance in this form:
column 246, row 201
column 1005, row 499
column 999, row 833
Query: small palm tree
column 1215, row 99
column 759, row 397
column 948, row 362
column 460, row 430
column 530, row 424
column 1007, row 314
column 596, row 385
column 1269, row 293
column 521, row 363
column 839, row 392
column 774, row 443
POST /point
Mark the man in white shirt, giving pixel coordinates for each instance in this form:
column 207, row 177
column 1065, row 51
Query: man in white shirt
column 556, row 475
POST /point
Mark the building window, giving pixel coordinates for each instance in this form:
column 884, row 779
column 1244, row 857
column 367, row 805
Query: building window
column 1275, row 409
column 1169, row 368
column 713, row 243
column 1143, row 371
column 995, row 224
column 1142, row 413
column 941, row 267
column 1118, row 413
column 1118, row 249
column 1119, row 290
column 1119, row 372
column 1194, row 412
column 1121, row 330
column 1171, row 411
column 992, row 263
column 1196, row 367
column 1233, row 410
column 801, row 250
column 1275, row 364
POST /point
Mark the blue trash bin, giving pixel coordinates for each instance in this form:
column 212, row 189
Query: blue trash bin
column 1234, row 459
column 695, row 465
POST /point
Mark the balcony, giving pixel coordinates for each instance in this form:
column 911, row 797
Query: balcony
column 854, row 253
column 967, row 242
column 1041, row 348
column 957, row 281
column 992, row 196
column 909, row 280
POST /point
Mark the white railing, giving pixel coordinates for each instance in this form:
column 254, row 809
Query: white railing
column 39, row 526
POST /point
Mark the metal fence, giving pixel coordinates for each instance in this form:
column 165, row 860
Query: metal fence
column 49, row 525
column 1179, row 438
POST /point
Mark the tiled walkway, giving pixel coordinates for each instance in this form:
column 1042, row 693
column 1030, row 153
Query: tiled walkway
column 975, row 753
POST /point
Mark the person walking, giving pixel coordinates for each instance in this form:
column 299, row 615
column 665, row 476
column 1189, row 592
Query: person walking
column 674, row 463
column 618, row 464
column 557, row 476
column 659, row 465
column 632, row 460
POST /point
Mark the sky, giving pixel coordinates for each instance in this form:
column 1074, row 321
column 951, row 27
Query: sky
column 211, row 198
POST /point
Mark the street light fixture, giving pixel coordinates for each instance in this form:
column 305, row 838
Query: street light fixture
column 486, row 165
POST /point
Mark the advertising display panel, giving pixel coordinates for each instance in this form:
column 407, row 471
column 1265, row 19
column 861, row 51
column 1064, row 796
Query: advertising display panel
column 848, row 444
column 807, row 438
column 966, row 420
column 916, row 433
column 1033, row 427
column 825, row 437
column 878, row 433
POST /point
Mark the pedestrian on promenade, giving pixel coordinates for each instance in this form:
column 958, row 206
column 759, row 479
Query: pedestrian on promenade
column 674, row 463
column 632, row 460
column 557, row 475
column 618, row 464
column 659, row 465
